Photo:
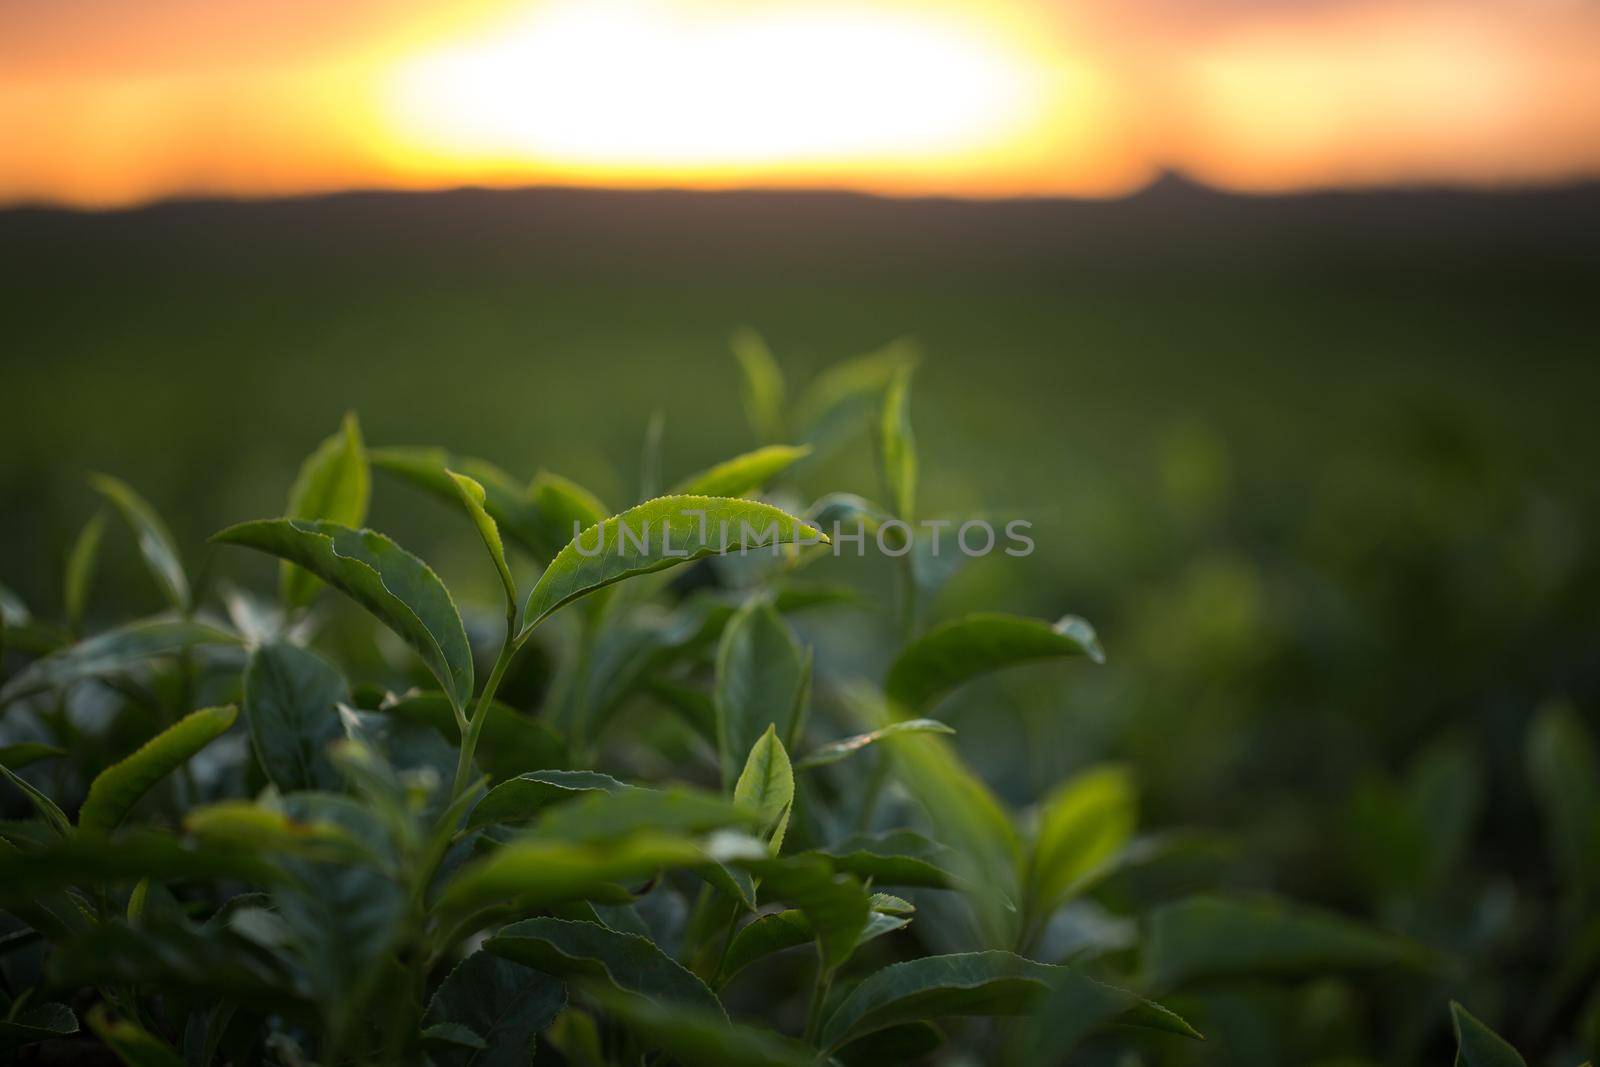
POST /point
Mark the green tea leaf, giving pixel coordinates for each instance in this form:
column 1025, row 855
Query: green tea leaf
column 522, row 798
column 156, row 544
column 847, row 394
column 834, row 751
column 602, row 815
column 264, row 829
column 399, row 589
column 899, row 857
column 46, row 807
column 958, row 651
column 837, row 905
column 897, row 445
column 1082, row 826
column 562, row 509
column 112, row 652
column 516, row 514
column 987, row 854
column 975, row 983
column 697, row 1036
column 761, row 675
column 43, row 1023
column 1075, row 1007
column 472, row 498
column 22, row 754
column 1564, row 773
column 85, row 859
column 120, row 786
column 1207, row 937
column 333, row 485
column 80, row 568
column 511, row 742
column 766, row 787
column 535, row 872
column 654, row 535
column 743, row 474
column 291, row 703
column 777, row 931
column 761, row 385
column 626, row 962
column 934, row 987
column 133, row 1045
column 1479, row 1046
column 764, row 936
column 503, row 1005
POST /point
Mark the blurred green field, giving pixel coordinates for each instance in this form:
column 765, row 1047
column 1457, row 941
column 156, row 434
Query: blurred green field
column 1321, row 469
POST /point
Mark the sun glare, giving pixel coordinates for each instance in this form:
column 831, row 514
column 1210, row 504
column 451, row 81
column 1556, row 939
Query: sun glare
column 606, row 88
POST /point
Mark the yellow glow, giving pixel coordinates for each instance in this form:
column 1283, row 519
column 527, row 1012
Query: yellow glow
column 120, row 101
column 611, row 88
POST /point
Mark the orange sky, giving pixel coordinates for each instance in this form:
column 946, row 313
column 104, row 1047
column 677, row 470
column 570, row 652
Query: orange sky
column 106, row 102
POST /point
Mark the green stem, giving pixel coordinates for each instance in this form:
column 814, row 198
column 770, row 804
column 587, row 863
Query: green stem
column 819, row 997
column 469, row 739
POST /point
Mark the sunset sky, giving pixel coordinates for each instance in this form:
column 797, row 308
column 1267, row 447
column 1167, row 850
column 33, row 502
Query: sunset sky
column 109, row 102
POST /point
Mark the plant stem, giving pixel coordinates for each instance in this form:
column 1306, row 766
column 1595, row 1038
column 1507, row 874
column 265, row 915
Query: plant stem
column 819, row 996
column 469, row 739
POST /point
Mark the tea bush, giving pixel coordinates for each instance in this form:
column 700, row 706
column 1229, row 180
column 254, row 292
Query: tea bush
column 625, row 817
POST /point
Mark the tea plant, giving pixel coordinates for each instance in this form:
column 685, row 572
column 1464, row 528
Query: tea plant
column 684, row 842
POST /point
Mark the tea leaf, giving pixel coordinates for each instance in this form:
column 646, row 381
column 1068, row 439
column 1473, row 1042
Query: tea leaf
column 761, row 387
column 472, row 498
column 1479, row 1046
column 43, row 1023
column 972, row 983
column 1077, row 1006
column 654, row 535
column 120, row 786
column 133, row 1045
column 760, row 680
column 399, row 589
column 522, row 798
column 976, row 983
column 156, row 545
column 562, row 509
column 112, row 652
column 1082, row 826
column 535, row 872
column 697, row 1036
column 743, row 474
column 837, row 905
column 500, row 1004
column 605, row 815
column 24, row 753
column 958, row 651
column 897, row 445
column 333, row 485
column 511, row 507
column 763, row 936
column 1209, row 937
column 85, row 859
column 264, row 829
column 899, row 857
column 80, row 568
column 626, row 962
column 766, row 787
column 834, row 751
column 46, row 807
column 965, row 814
column 291, row 704
column 845, row 395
